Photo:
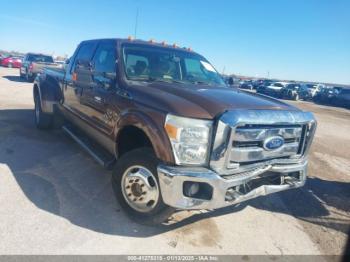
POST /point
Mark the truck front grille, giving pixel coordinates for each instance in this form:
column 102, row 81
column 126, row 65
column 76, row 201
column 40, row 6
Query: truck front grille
column 247, row 143
column 240, row 136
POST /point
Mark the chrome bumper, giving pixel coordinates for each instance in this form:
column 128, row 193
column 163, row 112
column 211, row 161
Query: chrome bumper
column 223, row 192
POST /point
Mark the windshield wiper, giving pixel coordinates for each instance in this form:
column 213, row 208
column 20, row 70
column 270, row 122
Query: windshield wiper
column 200, row 82
column 154, row 79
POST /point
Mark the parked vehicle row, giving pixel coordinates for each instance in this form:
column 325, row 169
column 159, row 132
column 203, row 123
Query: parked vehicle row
column 30, row 65
column 319, row 93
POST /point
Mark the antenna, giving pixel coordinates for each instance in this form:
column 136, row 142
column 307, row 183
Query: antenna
column 136, row 20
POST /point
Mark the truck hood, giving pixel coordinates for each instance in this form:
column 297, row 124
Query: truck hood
column 202, row 101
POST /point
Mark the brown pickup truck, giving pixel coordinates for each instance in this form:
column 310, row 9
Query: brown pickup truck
column 174, row 134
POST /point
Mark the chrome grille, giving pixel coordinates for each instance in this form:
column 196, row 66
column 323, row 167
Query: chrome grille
column 247, row 145
column 240, row 134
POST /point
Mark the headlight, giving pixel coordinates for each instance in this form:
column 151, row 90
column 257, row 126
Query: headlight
column 189, row 139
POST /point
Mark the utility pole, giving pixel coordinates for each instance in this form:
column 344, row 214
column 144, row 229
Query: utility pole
column 136, row 21
column 268, row 74
column 223, row 70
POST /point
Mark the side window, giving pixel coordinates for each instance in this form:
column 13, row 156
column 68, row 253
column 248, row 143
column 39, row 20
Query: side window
column 105, row 58
column 85, row 53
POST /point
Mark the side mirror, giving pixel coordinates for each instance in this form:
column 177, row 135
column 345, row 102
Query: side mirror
column 67, row 61
column 84, row 63
column 230, row 81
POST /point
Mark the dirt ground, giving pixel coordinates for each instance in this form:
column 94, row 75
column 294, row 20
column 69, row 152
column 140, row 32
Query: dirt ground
column 56, row 200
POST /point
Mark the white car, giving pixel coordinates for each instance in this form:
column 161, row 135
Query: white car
column 313, row 89
column 275, row 89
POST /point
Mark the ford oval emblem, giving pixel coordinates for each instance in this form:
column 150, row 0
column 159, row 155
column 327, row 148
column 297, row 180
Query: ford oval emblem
column 273, row 143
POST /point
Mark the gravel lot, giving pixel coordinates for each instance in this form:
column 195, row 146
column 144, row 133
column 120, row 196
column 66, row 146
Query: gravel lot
column 56, row 200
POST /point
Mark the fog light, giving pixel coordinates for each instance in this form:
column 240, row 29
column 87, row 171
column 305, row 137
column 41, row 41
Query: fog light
column 199, row 190
column 231, row 195
column 191, row 188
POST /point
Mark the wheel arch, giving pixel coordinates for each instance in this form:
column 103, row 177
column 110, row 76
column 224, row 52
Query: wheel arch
column 49, row 92
column 145, row 128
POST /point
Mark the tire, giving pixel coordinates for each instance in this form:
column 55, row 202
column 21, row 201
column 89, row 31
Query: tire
column 42, row 120
column 140, row 197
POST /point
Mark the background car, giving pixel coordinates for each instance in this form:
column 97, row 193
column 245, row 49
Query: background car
column 12, row 61
column 274, row 89
column 259, row 82
column 341, row 98
column 34, row 64
column 325, row 95
column 2, row 57
column 312, row 89
column 263, row 84
column 293, row 91
column 247, row 84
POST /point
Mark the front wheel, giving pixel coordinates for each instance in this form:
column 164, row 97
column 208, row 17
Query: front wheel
column 136, row 186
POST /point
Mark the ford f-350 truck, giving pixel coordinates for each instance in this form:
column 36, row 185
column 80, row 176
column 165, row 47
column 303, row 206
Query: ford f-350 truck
column 174, row 134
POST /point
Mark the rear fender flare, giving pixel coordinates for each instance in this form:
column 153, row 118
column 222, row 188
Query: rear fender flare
column 49, row 92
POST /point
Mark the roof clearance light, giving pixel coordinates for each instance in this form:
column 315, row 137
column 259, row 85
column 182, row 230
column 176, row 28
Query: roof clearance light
column 174, row 45
column 189, row 49
column 151, row 41
column 130, row 38
column 164, row 43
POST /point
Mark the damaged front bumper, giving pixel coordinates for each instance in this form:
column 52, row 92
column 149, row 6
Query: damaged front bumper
column 202, row 188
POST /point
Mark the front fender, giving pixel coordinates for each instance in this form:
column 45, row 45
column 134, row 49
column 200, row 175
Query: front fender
column 154, row 130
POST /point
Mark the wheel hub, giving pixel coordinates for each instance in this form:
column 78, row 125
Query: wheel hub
column 136, row 189
column 140, row 188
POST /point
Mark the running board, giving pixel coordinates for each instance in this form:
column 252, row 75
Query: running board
column 101, row 155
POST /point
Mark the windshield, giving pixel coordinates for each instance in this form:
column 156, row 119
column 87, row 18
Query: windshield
column 144, row 63
column 40, row 58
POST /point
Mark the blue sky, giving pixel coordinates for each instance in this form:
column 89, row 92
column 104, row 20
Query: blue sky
column 294, row 39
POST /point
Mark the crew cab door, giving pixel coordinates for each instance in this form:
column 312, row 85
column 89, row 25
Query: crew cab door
column 78, row 77
column 99, row 98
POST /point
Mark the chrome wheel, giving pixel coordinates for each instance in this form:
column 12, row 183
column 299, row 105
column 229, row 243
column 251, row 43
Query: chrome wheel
column 140, row 188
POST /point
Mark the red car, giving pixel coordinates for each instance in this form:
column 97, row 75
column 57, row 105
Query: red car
column 13, row 61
